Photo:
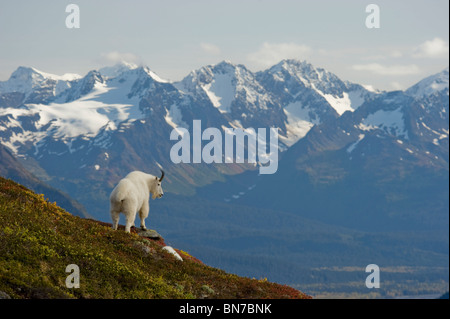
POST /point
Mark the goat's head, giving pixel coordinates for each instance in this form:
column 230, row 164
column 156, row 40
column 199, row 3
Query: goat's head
column 156, row 190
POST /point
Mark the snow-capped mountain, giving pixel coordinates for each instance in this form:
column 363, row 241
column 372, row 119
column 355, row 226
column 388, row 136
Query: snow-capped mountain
column 310, row 96
column 32, row 85
column 430, row 85
column 230, row 88
column 292, row 95
column 416, row 119
column 382, row 166
column 72, row 107
column 100, row 126
column 81, row 110
column 26, row 79
column 290, row 78
column 108, row 72
column 399, row 125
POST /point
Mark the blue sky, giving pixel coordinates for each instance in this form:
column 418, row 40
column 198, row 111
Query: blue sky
column 173, row 37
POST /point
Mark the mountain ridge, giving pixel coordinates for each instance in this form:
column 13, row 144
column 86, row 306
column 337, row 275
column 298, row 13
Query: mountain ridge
column 103, row 113
column 11, row 168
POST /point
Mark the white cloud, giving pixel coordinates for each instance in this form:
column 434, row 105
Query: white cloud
column 379, row 69
column 396, row 54
column 210, row 48
column 436, row 48
column 383, row 54
column 272, row 53
column 116, row 57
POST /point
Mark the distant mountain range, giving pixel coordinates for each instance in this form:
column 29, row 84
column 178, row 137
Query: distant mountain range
column 67, row 129
column 351, row 159
column 382, row 166
column 95, row 128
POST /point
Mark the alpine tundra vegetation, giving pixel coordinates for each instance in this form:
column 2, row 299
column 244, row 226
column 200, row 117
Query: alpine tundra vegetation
column 38, row 240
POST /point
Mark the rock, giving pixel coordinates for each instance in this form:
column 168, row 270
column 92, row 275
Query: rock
column 149, row 233
column 144, row 248
column 173, row 252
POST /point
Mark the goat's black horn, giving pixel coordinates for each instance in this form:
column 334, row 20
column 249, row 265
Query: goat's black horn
column 162, row 176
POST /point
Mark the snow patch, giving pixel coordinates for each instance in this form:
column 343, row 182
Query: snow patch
column 156, row 77
column 389, row 121
column 86, row 115
column 352, row 147
column 174, row 117
column 221, row 92
column 348, row 102
column 298, row 123
column 236, row 124
column 64, row 77
column 441, row 136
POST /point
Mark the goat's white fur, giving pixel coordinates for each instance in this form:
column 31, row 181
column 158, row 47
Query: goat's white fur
column 132, row 195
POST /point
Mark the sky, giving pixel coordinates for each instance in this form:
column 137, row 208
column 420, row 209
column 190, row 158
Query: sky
column 174, row 37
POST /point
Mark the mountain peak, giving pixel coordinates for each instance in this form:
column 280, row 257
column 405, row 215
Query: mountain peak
column 95, row 76
column 225, row 63
column 435, row 83
column 222, row 67
column 117, row 69
column 153, row 75
column 122, row 67
column 302, row 71
column 23, row 73
column 295, row 62
column 291, row 64
column 27, row 79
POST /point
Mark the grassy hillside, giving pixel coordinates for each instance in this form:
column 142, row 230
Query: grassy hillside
column 38, row 240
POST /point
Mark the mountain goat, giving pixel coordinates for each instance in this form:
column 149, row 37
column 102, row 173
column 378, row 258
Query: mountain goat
column 131, row 195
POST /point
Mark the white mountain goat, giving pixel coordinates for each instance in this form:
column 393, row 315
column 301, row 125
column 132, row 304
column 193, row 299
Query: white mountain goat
column 131, row 195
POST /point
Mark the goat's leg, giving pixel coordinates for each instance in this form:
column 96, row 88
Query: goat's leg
column 115, row 213
column 129, row 210
column 115, row 219
column 143, row 213
column 129, row 217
